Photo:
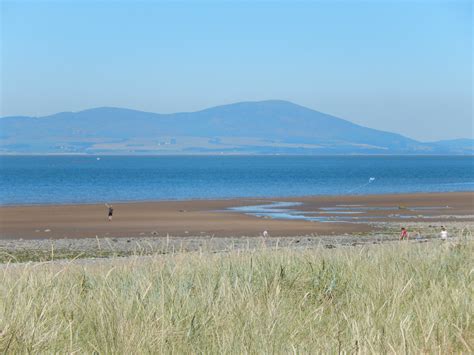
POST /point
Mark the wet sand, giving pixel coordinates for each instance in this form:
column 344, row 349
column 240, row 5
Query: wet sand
column 211, row 217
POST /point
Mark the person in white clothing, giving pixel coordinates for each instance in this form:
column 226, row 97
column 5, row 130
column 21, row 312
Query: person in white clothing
column 444, row 233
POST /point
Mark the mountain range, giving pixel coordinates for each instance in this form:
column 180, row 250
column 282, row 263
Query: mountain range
column 264, row 127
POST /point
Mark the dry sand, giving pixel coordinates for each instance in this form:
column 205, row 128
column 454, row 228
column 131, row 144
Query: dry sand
column 210, row 217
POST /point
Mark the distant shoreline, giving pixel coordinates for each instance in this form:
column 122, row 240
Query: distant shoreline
column 235, row 198
column 346, row 155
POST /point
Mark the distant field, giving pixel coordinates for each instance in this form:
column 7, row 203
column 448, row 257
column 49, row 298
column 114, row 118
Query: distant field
column 403, row 298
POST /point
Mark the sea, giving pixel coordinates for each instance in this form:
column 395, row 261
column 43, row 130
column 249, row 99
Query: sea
column 26, row 180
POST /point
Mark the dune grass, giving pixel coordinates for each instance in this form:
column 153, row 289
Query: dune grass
column 404, row 297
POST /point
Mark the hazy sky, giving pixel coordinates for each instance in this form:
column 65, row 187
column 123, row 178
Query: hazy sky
column 402, row 66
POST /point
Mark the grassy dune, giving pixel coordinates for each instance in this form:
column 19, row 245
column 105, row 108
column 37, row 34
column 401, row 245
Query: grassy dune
column 400, row 298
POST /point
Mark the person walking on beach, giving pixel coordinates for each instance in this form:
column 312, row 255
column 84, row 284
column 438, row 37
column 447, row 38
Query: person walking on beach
column 110, row 211
column 404, row 234
column 444, row 233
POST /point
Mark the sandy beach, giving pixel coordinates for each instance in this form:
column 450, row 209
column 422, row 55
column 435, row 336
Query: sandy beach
column 213, row 217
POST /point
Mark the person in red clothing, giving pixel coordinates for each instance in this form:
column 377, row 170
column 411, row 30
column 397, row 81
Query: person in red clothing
column 404, row 234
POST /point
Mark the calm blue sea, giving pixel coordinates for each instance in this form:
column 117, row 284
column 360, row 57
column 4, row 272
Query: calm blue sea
column 85, row 179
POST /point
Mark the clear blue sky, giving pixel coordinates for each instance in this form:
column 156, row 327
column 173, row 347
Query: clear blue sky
column 402, row 66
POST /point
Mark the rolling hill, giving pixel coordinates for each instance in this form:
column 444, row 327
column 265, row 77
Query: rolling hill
column 265, row 127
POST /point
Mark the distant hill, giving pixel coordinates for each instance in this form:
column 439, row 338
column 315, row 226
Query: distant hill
column 456, row 146
column 266, row 127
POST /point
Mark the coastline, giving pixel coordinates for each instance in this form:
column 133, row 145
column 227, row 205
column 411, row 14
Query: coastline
column 236, row 198
column 213, row 217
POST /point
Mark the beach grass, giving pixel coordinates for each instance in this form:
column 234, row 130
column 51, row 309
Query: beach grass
column 398, row 297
